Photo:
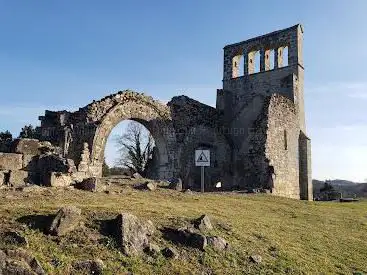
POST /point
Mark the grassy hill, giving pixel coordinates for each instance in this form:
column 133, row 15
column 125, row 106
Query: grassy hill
column 291, row 236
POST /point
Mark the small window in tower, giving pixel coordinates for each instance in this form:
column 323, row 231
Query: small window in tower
column 285, row 56
column 238, row 66
column 271, row 59
column 257, row 62
column 285, row 140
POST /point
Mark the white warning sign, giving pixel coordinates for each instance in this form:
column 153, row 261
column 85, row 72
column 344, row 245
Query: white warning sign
column 202, row 157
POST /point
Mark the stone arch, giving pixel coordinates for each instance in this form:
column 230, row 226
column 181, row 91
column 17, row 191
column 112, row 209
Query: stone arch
column 152, row 114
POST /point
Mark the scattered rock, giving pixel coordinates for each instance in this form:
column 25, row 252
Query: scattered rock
column 66, row 220
column 91, row 184
column 16, row 267
column 203, row 223
column 58, row 179
column 217, row 243
column 91, row 267
column 152, row 250
column 29, row 260
column 256, row 259
column 170, row 252
column 176, row 184
column 14, row 238
column 132, row 234
column 137, row 176
column 152, row 186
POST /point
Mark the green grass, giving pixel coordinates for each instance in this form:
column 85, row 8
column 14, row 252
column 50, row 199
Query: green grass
column 293, row 237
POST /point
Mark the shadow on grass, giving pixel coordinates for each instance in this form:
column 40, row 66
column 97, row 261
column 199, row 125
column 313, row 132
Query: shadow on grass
column 108, row 228
column 37, row 222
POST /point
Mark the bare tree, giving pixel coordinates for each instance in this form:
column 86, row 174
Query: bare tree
column 135, row 148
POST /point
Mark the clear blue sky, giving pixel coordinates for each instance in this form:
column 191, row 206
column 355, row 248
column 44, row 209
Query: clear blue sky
column 63, row 54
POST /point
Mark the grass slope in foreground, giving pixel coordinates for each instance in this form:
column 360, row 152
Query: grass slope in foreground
column 292, row 237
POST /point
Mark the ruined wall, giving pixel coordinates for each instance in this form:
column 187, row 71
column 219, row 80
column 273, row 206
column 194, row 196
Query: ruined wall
column 199, row 126
column 305, row 173
column 282, row 146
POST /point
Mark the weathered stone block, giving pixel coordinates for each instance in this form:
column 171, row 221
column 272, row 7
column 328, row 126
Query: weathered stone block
column 91, row 184
column 57, row 179
column 25, row 146
column 11, row 161
column 18, row 177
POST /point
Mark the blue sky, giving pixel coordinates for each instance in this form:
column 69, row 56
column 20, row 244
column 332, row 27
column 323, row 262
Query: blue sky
column 63, row 54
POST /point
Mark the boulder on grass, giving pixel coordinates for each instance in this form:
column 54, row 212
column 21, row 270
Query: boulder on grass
column 66, row 220
column 133, row 234
column 14, row 238
column 137, row 176
column 90, row 266
column 203, row 223
column 23, row 261
column 217, row 243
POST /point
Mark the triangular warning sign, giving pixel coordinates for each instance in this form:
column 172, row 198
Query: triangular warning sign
column 202, row 158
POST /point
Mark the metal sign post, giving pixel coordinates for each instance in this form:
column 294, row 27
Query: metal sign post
column 202, row 179
column 202, row 159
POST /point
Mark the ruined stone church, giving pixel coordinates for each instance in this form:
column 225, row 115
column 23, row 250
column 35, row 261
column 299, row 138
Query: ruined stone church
column 256, row 133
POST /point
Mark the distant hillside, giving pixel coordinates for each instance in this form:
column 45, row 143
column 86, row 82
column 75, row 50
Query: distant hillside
column 347, row 188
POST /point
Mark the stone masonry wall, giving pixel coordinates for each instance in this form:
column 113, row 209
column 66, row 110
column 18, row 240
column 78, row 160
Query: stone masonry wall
column 282, row 146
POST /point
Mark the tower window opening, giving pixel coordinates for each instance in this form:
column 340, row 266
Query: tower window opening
column 238, row 66
column 285, row 56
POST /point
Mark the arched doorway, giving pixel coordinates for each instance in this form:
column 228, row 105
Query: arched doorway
column 131, row 148
column 153, row 115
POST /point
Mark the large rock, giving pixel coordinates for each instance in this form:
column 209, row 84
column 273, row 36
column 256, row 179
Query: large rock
column 25, row 146
column 137, row 176
column 89, row 266
column 14, row 238
column 203, row 223
column 133, row 234
column 176, row 184
column 16, row 267
column 58, row 179
column 66, row 220
column 217, row 243
column 18, row 177
column 28, row 260
column 11, row 161
column 92, row 184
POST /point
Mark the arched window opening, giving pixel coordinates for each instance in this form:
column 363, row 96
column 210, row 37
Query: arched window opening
column 237, row 66
column 285, row 57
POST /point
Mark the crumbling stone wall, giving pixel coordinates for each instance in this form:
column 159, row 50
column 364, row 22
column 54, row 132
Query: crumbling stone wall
column 87, row 130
